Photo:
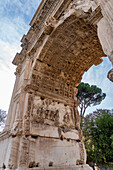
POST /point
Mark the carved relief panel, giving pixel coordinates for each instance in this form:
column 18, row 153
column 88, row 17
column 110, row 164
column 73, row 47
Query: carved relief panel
column 52, row 80
column 50, row 112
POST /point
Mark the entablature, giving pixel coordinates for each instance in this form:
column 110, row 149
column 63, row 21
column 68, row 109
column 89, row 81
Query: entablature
column 49, row 9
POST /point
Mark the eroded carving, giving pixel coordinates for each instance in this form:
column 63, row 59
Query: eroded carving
column 16, row 130
column 61, row 52
column 24, row 156
column 50, row 112
column 50, row 25
column 18, row 70
column 85, row 5
column 26, row 124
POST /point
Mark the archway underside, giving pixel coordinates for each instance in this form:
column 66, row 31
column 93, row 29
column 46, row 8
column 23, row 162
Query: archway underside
column 70, row 50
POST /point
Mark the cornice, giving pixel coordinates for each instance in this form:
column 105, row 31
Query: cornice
column 33, row 38
column 36, row 35
column 37, row 12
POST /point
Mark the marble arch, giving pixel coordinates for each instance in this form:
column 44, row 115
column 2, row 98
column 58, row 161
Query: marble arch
column 42, row 130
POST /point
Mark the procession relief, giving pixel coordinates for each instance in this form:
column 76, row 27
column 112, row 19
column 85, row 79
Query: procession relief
column 50, row 112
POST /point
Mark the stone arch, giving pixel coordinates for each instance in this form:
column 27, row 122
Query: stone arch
column 49, row 67
column 69, row 50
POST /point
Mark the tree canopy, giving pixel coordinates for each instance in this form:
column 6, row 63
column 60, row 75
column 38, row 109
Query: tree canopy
column 98, row 132
column 89, row 96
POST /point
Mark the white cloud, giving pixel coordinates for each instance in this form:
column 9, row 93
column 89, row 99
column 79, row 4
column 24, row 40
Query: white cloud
column 6, row 87
column 20, row 7
column 13, row 24
column 97, row 75
column 7, row 53
column 12, row 30
column 7, row 77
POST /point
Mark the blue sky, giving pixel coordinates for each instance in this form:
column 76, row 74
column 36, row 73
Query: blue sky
column 15, row 17
column 97, row 75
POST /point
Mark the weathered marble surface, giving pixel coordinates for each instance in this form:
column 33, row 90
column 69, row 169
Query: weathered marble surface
column 82, row 167
column 43, row 125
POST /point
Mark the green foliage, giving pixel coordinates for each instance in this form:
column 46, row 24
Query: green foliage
column 98, row 132
column 89, row 96
column 111, row 140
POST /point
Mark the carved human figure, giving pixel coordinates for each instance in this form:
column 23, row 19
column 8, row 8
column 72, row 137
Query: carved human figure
column 56, row 115
column 66, row 118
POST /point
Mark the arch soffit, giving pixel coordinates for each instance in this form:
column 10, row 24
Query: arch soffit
column 69, row 51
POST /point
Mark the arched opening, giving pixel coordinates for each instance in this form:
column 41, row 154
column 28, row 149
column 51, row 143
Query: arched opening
column 66, row 54
column 70, row 47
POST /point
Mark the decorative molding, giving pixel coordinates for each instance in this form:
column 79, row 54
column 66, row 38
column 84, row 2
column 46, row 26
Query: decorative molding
column 50, row 25
column 19, row 58
column 4, row 135
column 95, row 16
column 18, row 69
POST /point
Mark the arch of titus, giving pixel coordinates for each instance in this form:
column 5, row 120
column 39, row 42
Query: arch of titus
column 65, row 39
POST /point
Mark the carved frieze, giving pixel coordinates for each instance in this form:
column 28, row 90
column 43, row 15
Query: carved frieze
column 50, row 112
